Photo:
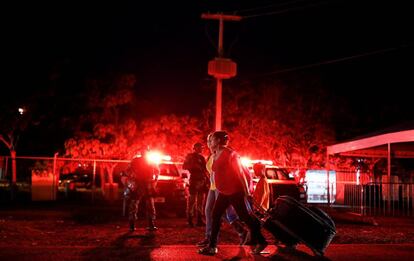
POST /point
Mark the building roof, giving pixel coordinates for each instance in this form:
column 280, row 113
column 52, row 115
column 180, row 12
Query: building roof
column 401, row 142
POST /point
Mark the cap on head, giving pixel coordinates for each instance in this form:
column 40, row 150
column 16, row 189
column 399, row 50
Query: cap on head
column 222, row 136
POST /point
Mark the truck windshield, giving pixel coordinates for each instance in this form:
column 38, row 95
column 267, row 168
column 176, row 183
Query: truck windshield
column 277, row 173
column 168, row 170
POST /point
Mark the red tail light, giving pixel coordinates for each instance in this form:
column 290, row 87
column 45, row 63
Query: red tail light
column 302, row 188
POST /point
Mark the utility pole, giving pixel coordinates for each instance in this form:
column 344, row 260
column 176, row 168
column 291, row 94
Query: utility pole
column 221, row 68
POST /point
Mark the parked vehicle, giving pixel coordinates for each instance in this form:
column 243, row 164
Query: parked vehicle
column 282, row 183
column 172, row 189
column 74, row 181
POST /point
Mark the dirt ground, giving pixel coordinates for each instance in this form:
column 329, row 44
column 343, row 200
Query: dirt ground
column 103, row 226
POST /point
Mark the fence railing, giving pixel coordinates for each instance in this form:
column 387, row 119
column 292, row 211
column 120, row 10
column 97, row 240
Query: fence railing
column 363, row 193
column 54, row 178
column 40, row 178
column 359, row 192
column 385, row 198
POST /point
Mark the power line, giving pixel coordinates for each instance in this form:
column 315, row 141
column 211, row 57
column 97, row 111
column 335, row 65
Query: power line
column 286, row 10
column 210, row 39
column 269, row 6
column 297, row 68
column 269, row 13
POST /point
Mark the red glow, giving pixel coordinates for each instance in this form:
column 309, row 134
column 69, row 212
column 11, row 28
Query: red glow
column 157, row 157
column 249, row 162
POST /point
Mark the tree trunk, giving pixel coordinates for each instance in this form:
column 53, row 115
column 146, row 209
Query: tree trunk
column 110, row 169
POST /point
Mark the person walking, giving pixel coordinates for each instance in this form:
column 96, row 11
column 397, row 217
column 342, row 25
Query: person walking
column 140, row 184
column 233, row 188
column 230, row 215
column 195, row 163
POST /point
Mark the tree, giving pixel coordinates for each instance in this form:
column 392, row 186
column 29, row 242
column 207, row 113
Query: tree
column 105, row 142
column 13, row 123
column 279, row 122
column 172, row 134
column 106, row 131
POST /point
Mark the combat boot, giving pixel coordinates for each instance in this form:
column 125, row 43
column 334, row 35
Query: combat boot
column 131, row 226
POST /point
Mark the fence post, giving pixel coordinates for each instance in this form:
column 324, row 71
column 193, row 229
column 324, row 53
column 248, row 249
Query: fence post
column 93, row 181
column 327, row 179
column 13, row 187
column 389, row 175
column 54, row 176
column 361, row 201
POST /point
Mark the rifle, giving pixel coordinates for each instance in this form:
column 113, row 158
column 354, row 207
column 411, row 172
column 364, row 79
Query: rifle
column 124, row 203
column 124, row 180
column 127, row 192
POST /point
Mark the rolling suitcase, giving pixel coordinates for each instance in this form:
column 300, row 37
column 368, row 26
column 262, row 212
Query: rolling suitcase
column 291, row 222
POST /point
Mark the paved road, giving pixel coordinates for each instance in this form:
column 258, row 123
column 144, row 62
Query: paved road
column 353, row 252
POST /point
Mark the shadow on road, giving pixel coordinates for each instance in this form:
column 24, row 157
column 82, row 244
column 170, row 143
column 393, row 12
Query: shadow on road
column 129, row 246
column 283, row 253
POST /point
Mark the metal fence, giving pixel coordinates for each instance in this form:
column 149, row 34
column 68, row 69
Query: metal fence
column 366, row 195
column 54, row 178
column 40, row 178
column 47, row 178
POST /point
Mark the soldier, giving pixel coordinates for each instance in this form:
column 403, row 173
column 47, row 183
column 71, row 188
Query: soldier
column 195, row 163
column 140, row 184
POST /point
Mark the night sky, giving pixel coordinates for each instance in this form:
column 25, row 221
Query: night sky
column 361, row 52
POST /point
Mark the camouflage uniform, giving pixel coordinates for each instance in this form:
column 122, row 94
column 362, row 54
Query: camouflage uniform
column 141, row 185
column 198, row 187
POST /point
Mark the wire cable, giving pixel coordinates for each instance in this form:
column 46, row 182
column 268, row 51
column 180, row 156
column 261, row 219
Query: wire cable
column 269, row 6
column 335, row 60
column 209, row 38
column 286, row 10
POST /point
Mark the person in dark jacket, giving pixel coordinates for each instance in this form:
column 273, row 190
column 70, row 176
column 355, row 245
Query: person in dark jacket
column 195, row 163
column 140, row 184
